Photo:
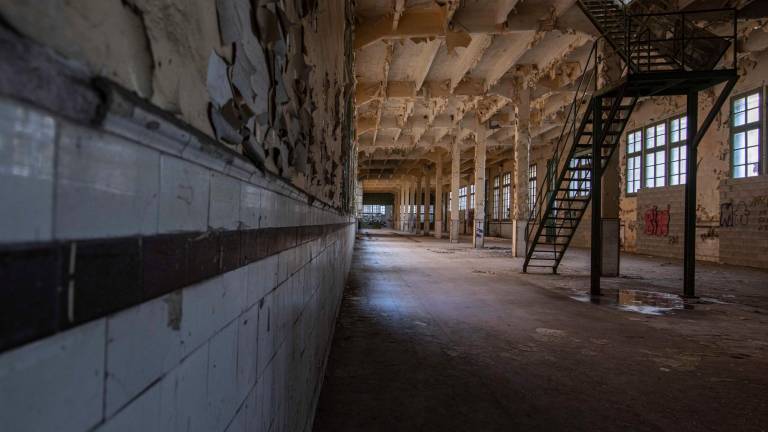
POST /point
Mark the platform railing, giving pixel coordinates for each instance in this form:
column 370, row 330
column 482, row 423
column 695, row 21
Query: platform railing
column 695, row 40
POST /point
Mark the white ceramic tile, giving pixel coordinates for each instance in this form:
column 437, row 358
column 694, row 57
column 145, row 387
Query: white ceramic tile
column 55, row 383
column 225, row 202
column 239, row 422
column 106, row 186
column 184, row 195
column 252, row 414
column 152, row 411
column 143, row 343
column 192, row 413
column 250, row 205
column 264, row 402
column 267, row 331
column 26, row 173
column 207, row 307
column 262, row 278
column 247, row 351
column 268, row 206
column 222, row 377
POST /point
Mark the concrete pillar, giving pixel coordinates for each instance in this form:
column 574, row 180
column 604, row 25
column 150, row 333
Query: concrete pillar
column 455, row 177
column 480, row 153
column 394, row 213
column 419, row 202
column 403, row 195
column 427, row 199
column 469, row 223
column 412, row 207
column 407, row 206
column 522, row 147
column 439, row 197
column 403, row 200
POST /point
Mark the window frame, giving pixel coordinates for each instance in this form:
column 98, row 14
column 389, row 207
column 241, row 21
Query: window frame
column 463, row 198
column 496, row 197
column 635, row 154
column 579, row 184
column 655, row 150
column 506, row 195
column 759, row 124
column 667, row 147
column 682, row 145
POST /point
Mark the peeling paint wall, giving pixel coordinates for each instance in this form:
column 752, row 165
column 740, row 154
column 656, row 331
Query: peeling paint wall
column 270, row 79
column 714, row 161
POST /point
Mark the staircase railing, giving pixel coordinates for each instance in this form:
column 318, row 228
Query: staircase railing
column 679, row 36
column 678, row 39
column 649, row 42
column 569, row 134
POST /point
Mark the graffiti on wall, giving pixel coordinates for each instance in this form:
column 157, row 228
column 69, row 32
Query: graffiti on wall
column 656, row 222
column 733, row 215
column 753, row 212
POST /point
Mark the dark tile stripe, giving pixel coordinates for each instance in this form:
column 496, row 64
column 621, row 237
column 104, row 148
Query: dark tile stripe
column 43, row 291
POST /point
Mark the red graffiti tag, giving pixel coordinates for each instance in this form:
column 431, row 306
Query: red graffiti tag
column 657, row 222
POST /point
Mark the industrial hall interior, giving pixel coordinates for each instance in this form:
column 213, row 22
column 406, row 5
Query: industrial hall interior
column 383, row 215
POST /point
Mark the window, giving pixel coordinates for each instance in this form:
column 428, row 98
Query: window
column 579, row 184
column 450, row 195
column 506, row 183
column 531, row 187
column 634, row 156
column 655, row 155
column 374, row 209
column 495, row 212
column 747, row 120
column 463, row 198
column 471, row 196
column 678, row 132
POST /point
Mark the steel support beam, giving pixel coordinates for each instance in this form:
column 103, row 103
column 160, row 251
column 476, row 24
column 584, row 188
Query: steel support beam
column 689, row 247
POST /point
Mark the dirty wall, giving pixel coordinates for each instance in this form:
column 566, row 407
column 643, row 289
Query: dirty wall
column 175, row 233
column 652, row 218
column 271, row 80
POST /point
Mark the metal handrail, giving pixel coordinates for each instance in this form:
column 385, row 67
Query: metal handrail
column 680, row 55
column 638, row 54
column 569, row 130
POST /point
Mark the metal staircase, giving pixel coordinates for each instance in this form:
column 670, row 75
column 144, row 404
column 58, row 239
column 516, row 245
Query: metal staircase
column 663, row 53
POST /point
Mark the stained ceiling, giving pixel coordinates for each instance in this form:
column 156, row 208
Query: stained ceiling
column 426, row 68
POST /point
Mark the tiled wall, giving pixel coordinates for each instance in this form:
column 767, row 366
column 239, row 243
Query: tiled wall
column 743, row 227
column 243, row 350
column 657, row 233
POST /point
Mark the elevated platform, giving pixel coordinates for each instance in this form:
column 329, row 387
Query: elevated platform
column 668, row 83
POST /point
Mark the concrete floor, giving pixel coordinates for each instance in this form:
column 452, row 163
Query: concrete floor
column 440, row 337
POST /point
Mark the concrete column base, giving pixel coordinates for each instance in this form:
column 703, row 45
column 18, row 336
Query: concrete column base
column 518, row 238
column 438, row 230
column 454, row 231
column 478, row 241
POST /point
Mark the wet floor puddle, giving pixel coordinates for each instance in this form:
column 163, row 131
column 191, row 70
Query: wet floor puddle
column 644, row 302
